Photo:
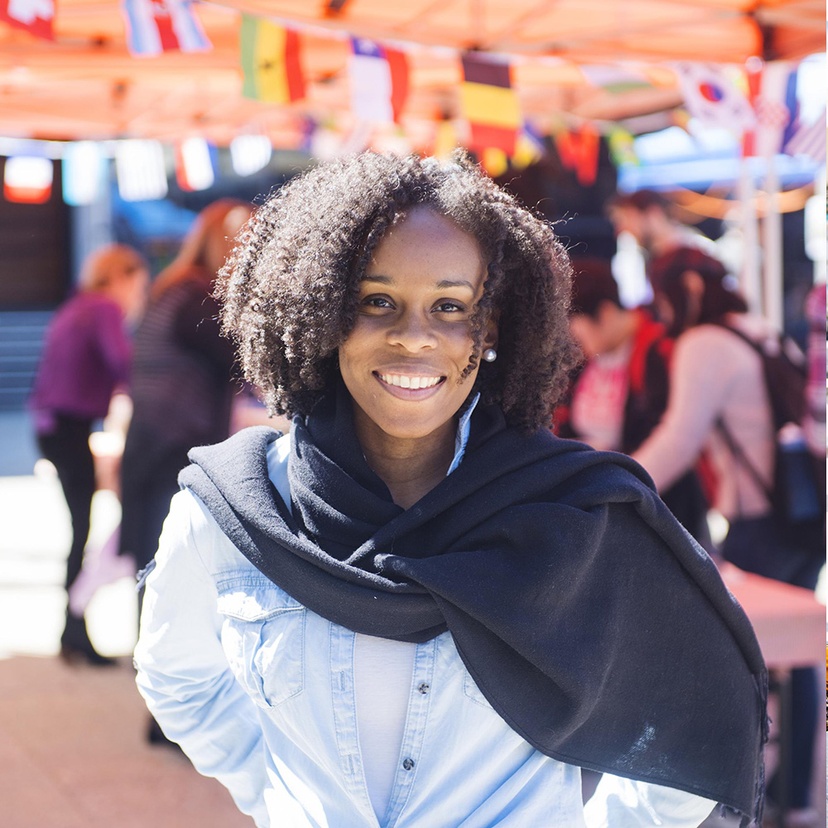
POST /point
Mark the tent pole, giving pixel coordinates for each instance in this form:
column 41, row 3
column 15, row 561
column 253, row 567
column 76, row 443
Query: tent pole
column 773, row 272
column 749, row 277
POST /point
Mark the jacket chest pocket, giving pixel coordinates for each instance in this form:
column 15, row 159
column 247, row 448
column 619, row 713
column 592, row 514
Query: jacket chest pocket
column 263, row 637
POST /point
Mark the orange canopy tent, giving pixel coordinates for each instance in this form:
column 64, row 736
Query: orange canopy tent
column 86, row 84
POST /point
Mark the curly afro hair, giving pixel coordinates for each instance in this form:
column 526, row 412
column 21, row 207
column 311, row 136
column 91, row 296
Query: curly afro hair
column 289, row 289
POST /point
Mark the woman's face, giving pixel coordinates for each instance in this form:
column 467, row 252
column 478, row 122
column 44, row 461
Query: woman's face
column 402, row 362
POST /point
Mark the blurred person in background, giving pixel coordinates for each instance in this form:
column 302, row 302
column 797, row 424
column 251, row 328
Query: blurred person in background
column 182, row 391
column 85, row 360
column 648, row 217
column 717, row 389
column 619, row 394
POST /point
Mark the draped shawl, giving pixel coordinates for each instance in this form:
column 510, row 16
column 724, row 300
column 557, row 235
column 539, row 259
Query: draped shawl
column 591, row 621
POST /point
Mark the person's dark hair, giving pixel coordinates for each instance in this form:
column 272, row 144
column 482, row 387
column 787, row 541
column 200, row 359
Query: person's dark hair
column 641, row 200
column 290, row 288
column 592, row 285
column 719, row 297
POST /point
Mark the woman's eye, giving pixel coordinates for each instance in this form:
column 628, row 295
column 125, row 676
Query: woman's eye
column 376, row 302
column 449, row 307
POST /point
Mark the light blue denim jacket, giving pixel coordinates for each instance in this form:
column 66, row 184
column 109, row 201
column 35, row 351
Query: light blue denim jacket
column 259, row 692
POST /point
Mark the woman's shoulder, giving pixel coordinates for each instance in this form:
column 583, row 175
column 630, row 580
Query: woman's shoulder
column 711, row 342
column 91, row 303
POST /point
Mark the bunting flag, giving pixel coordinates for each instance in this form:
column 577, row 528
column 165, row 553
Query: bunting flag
column 27, row 179
column 141, row 170
column 194, row 168
column 616, row 79
column 156, row 26
column 35, row 16
column 445, row 139
column 621, row 145
column 270, row 62
column 83, row 173
column 250, row 153
column 712, row 96
column 379, row 80
column 808, row 139
column 494, row 161
column 489, row 103
column 529, row 149
column 772, row 94
column 578, row 150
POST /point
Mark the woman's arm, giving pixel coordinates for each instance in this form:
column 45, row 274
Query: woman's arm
column 624, row 803
column 701, row 377
column 183, row 674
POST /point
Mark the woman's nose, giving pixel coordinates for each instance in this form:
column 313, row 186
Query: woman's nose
column 413, row 331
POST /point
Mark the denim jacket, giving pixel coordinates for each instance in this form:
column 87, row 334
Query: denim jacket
column 259, row 692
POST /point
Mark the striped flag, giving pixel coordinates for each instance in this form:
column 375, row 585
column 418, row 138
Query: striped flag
column 156, row 26
column 489, row 103
column 194, row 167
column 809, row 139
column 141, row 170
column 379, row 80
column 270, row 62
column 35, row 16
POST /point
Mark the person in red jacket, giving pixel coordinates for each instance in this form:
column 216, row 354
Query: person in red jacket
column 620, row 393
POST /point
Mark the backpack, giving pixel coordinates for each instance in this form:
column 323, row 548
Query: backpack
column 797, row 492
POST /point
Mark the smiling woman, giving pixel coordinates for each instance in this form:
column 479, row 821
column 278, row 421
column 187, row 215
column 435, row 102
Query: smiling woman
column 420, row 607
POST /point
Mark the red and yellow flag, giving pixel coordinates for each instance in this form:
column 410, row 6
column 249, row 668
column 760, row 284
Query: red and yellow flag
column 270, row 62
column 490, row 105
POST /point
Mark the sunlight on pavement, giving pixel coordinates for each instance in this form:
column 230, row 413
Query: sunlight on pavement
column 33, row 548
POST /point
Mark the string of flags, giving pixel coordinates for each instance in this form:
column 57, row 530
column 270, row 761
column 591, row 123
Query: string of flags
column 758, row 103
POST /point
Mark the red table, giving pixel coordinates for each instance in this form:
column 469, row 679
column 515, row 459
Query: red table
column 788, row 621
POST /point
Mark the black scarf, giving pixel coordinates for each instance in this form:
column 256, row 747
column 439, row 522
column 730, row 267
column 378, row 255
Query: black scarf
column 589, row 619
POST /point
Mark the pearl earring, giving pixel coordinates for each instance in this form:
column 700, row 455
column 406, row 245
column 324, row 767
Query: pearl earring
column 490, row 354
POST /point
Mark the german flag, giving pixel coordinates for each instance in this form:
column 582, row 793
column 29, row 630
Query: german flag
column 270, row 62
column 489, row 103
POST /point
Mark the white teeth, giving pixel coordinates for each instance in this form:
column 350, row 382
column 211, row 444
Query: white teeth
column 403, row 381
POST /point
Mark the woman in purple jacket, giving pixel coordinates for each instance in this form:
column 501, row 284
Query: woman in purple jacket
column 86, row 357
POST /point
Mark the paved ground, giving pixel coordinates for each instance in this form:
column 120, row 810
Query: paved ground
column 72, row 747
column 72, row 751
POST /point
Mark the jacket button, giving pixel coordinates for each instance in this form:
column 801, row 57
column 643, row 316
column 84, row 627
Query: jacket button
column 408, row 764
column 424, row 688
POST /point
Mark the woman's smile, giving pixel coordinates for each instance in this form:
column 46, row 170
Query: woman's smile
column 408, row 382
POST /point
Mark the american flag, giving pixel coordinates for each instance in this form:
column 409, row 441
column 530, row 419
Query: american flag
column 809, row 139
